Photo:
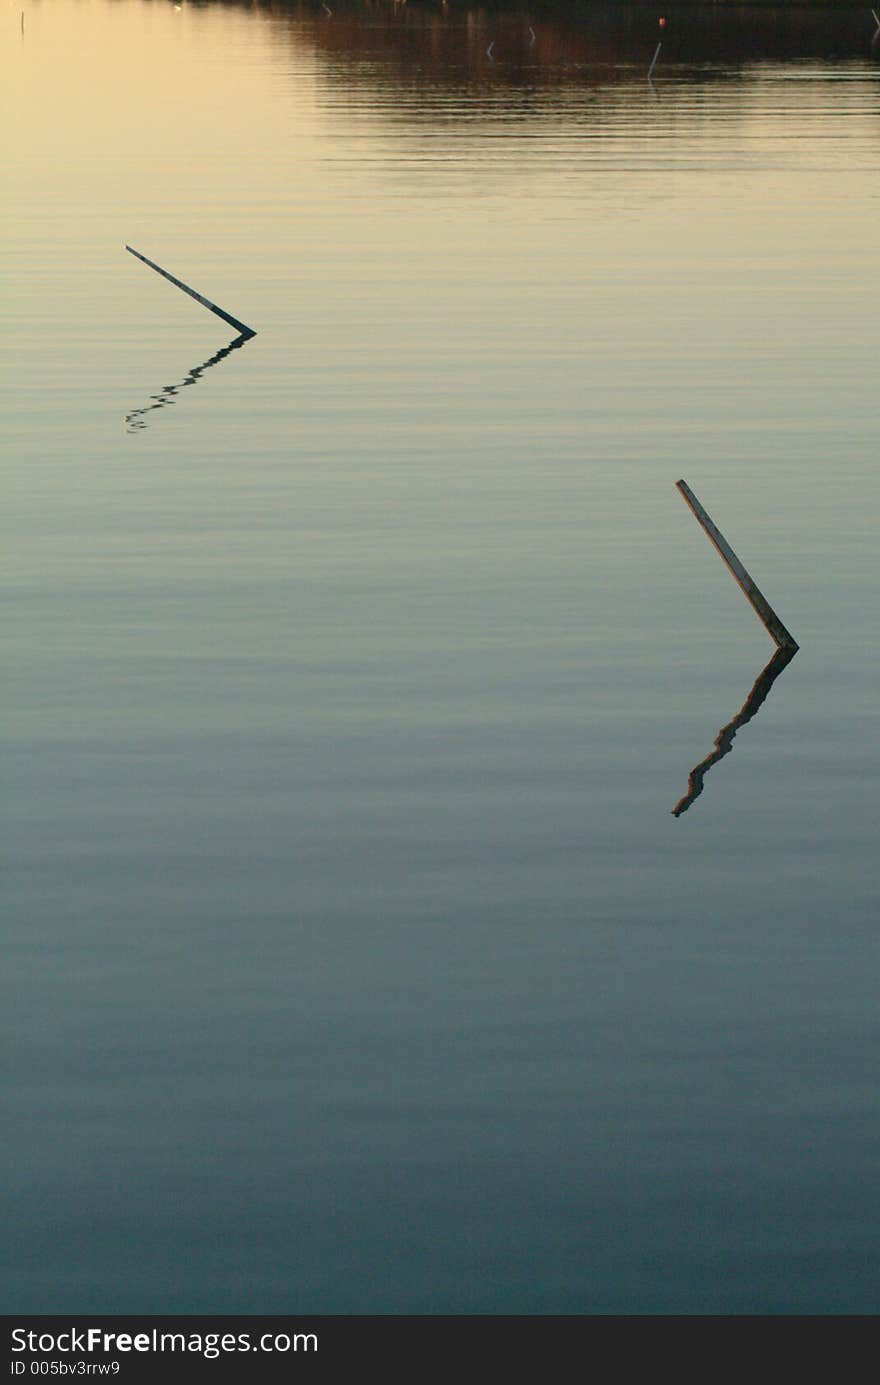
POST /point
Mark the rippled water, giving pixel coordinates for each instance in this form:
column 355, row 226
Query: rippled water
column 356, row 961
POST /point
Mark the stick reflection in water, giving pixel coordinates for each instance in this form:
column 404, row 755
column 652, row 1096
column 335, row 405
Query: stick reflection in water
column 135, row 421
column 724, row 740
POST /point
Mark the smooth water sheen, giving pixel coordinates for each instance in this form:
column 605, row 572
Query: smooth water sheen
column 356, row 961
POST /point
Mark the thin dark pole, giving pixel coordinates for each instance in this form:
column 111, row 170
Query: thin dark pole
column 761, row 606
column 205, row 302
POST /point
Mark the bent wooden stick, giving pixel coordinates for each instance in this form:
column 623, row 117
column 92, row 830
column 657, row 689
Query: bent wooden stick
column 205, row 302
column 759, row 603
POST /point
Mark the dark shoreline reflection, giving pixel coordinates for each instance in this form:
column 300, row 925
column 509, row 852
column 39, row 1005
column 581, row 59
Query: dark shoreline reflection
column 540, row 45
column 724, row 740
column 135, row 421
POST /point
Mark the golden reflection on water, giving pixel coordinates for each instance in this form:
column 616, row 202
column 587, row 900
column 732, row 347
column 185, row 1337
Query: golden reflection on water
column 326, row 689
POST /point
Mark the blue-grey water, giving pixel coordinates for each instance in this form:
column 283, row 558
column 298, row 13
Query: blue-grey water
column 355, row 960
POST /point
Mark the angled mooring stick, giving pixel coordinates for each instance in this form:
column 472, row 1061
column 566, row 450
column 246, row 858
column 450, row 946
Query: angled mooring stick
column 764, row 611
column 656, row 52
column 205, row 302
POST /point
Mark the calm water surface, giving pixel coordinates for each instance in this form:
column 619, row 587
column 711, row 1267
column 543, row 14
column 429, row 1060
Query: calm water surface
column 356, row 962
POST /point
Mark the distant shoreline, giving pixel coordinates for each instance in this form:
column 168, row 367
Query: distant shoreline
column 658, row 7
column 535, row 6
column 575, row 7
column 844, row 6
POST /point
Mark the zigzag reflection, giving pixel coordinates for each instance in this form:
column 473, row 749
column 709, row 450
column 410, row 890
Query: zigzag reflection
column 136, row 420
column 724, row 740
